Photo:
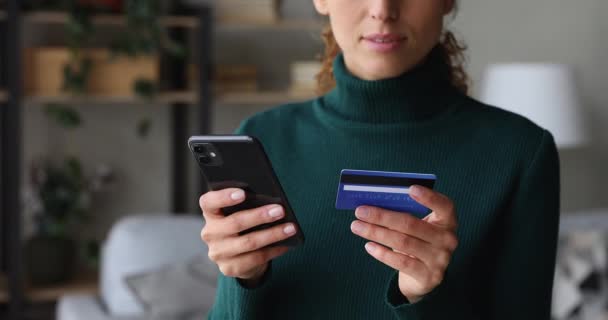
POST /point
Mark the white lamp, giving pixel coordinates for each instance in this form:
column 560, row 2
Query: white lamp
column 542, row 92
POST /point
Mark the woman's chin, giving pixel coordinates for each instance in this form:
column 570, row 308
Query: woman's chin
column 378, row 67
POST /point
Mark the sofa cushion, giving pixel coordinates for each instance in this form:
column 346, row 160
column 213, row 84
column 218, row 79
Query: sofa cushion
column 179, row 291
column 82, row 306
column 143, row 243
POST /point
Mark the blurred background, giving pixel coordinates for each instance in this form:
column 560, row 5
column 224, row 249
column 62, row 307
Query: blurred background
column 98, row 98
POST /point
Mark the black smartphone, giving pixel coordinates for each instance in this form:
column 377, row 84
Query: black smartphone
column 239, row 161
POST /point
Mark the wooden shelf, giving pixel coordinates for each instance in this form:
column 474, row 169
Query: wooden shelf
column 3, row 96
column 49, row 17
column 86, row 283
column 282, row 25
column 262, row 98
column 186, row 97
column 81, row 284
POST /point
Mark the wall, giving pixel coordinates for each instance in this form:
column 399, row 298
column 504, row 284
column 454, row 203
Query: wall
column 496, row 31
column 557, row 31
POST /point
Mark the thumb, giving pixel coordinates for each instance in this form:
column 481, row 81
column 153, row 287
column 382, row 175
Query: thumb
column 443, row 213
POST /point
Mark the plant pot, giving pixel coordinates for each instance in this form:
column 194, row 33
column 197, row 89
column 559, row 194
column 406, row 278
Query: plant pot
column 49, row 259
column 114, row 77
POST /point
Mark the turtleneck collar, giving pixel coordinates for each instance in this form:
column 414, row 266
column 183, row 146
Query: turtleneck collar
column 418, row 94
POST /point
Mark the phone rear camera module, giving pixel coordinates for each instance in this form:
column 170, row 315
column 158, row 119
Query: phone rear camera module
column 199, row 148
column 206, row 154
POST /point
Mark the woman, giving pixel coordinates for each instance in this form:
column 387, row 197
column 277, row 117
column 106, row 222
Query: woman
column 396, row 101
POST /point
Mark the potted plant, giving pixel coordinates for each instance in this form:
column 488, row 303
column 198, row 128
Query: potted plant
column 144, row 35
column 59, row 198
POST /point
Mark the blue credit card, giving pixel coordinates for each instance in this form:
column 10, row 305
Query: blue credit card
column 388, row 190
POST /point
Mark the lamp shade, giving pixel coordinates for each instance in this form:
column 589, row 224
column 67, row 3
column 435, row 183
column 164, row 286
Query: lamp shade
column 544, row 93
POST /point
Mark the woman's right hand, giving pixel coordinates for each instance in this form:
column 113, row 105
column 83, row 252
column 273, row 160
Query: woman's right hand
column 242, row 256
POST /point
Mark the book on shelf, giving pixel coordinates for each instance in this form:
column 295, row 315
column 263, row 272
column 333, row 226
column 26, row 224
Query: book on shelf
column 303, row 76
column 225, row 72
column 228, row 87
column 229, row 77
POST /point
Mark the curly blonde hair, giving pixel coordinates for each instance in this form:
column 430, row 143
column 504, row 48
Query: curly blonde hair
column 450, row 50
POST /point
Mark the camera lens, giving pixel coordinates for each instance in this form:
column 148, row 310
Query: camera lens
column 199, row 149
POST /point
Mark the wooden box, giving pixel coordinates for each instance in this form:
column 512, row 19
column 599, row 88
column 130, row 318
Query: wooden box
column 228, row 78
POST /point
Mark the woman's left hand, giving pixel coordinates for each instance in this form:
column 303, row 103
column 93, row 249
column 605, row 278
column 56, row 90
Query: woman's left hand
column 419, row 249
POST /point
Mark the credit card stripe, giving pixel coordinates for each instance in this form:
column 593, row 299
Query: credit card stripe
column 358, row 188
column 385, row 181
column 389, row 174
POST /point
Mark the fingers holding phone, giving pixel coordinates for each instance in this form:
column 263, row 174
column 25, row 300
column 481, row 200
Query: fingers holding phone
column 246, row 228
column 243, row 256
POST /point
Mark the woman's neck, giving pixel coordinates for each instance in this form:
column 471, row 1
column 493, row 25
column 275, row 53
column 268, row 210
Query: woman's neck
column 417, row 94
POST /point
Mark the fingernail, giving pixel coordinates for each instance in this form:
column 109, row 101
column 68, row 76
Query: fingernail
column 362, row 212
column 415, row 191
column 237, row 195
column 275, row 212
column 356, row 227
column 370, row 247
column 289, row 229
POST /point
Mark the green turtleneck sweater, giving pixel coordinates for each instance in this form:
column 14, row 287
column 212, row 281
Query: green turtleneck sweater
column 500, row 170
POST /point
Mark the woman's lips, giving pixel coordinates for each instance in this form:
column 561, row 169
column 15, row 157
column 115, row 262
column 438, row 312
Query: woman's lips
column 383, row 43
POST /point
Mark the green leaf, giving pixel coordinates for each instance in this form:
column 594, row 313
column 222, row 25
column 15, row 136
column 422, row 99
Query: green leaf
column 92, row 252
column 64, row 116
column 79, row 27
column 175, row 49
column 76, row 74
column 143, row 127
column 145, row 88
column 74, row 170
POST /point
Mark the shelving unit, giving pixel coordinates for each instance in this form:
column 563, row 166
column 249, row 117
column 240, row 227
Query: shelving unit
column 85, row 283
column 3, row 288
column 281, row 25
column 15, row 291
column 10, row 163
column 174, row 97
column 267, row 97
column 273, row 97
column 179, row 99
column 50, row 17
column 185, row 97
column 262, row 98
column 3, row 91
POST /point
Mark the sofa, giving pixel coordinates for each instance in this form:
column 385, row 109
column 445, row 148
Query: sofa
column 140, row 248
column 154, row 254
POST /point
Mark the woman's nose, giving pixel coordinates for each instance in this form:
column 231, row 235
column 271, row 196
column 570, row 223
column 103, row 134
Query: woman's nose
column 383, row 10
